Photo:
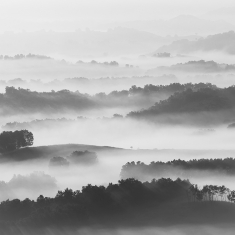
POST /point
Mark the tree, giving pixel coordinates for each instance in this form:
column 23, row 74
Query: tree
column 10, row 141
column 223, row 191
column 231, row 196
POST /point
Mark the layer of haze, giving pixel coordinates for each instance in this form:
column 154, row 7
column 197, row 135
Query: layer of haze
column 129, row 32
column 64, row 15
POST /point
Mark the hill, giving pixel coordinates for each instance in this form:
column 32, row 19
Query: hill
column 181, row 25
column 200, row 66
column 203, row 100
column 47, row 152
column 223, row 42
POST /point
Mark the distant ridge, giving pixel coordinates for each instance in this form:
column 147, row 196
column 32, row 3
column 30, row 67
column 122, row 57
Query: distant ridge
column 223, row 42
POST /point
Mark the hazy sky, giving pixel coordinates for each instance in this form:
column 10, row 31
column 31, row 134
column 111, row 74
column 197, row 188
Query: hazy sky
column 31, row 14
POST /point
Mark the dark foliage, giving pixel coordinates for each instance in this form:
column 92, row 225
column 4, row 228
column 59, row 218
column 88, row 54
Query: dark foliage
column 10, row 141
column 189, row 101
column 139, row 170
column 219, row 42
column 202, row 66
column 23, row 100
column 150, row 89
column 21, row 56
column 94, row 62
column 129, row 202
column 162, row 55
column 92, row 202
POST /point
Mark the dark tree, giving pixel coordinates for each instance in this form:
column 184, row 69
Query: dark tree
column 10, row 141
column 231, row 196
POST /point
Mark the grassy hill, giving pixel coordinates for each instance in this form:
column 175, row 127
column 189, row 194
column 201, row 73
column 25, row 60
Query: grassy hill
column 30, row 153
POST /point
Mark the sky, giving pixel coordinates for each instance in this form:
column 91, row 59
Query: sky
column 34, row 14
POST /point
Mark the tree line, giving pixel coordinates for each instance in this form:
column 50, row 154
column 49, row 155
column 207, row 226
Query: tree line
column 210, row 193
column 135, row 169
column 99, row 203
column 23, row 100
column 189, row 101
column 21, row 56
column 92, row 202
column 77, row 157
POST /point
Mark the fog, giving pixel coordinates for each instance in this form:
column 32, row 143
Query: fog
column 107, row 133
column 136, row 140
column 176, row 230
column 88, row 86
column 24, row 15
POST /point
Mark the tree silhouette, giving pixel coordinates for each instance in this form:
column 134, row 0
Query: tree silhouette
column 10, row 141
column 231, row 196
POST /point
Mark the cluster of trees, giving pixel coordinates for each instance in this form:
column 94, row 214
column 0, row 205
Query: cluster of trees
column 177, row 167
column 218, row 42
column 77, row 157
column 10, row 141
column 203, row 66
column 169, row 89
column 200, row 66
column 210, row 193
column 33, row 184
column 202, row 100
column 94, row 62
column 148, row 95
column 81, row 81
column 155, row 90
column 162, row 55
column 92, row 202
column 24, row 100
column 100, row 204
column 21, row 56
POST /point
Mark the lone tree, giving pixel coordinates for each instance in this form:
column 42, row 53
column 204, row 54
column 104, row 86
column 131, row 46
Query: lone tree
column 10, row 140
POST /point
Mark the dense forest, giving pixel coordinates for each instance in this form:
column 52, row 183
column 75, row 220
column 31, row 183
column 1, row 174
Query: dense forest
column 70, row 206
column 102, row 205
column 219, row 42
column 189, row 101
column 202, row 66
column 23, row 100
column 178, row 167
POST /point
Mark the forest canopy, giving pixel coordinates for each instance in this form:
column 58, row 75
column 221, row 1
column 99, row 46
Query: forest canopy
column 140, row 170
column 117, row 202
column 189, row 101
